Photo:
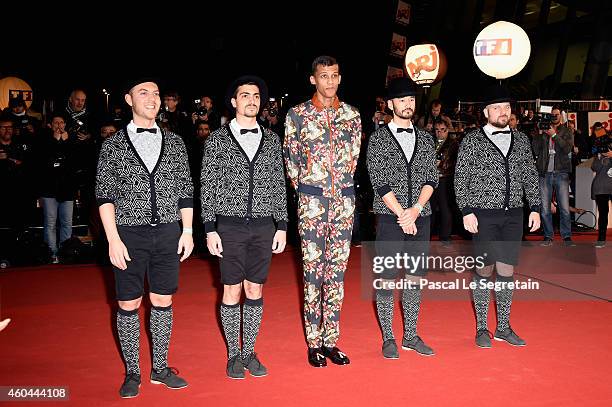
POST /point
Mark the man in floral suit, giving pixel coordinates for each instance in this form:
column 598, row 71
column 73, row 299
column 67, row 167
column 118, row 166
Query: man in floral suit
column 322, row 141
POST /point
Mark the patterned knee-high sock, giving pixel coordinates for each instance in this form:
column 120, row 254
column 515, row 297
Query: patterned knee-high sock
column 230, row 319
column 251, row 320
column 384, row 308
column 161, row 330
column 503, row 299
column 482, row 296
column 128, row 328
column 411, row 303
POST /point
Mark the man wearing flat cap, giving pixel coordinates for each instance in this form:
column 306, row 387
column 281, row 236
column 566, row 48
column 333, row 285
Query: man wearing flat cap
column 143, row 189
column 322, row 141
column 402, row 167
column 244, row 210
column 494, row 169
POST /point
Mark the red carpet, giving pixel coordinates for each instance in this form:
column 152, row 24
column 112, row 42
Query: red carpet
column 61, row 334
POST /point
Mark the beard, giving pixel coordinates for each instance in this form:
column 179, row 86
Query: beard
column 501, row 122
column 404, row 114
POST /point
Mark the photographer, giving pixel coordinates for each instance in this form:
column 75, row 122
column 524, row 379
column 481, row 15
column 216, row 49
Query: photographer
column 270, row 117
column 205, row 112
column 172, row 118
column 601, row 188
column 77, row 116
column 12, row 205
column 551, row 146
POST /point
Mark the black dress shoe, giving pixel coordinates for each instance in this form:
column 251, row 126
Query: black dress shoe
column 335, row 355
column 316, row 357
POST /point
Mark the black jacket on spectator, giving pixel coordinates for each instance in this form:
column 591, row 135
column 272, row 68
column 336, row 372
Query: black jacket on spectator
column 563, row 146
column 140, row 197
column 55, row 167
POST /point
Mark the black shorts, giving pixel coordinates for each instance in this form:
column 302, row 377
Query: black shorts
column 499, row 235
column 153, row 252
column 391, row 241
column 247, row 249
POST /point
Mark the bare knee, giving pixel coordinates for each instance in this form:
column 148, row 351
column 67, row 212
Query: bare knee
column 253, row 291
column 486, row 271
column 159, row 300
column 231, row 294
column 130, row 305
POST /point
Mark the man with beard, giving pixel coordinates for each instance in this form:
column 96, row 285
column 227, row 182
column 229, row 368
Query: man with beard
column 143, row 189
column 494, row 167
column 322, row 140
column 402, row 167
column 244, row 210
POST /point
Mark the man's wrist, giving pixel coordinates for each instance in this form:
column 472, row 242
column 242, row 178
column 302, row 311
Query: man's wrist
column 418, row 207
column 187, row 230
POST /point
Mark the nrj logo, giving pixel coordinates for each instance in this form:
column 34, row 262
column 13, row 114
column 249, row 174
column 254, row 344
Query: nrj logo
column 427, row 62
column 493, row 47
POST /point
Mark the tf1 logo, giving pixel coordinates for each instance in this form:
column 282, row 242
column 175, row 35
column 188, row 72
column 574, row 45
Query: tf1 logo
column 500, row 46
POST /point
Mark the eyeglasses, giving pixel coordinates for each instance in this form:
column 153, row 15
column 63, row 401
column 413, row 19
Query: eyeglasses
column 6, row 127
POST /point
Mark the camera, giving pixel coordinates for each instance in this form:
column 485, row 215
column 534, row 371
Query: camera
column 198, row 109
column 272, row 110
column 75, row 126
column 543, row 119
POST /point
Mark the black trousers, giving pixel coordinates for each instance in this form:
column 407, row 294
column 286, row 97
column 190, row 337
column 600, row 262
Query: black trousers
column 441, row 205
column 603, row 209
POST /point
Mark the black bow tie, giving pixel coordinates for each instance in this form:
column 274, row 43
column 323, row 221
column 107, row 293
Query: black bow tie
column 245, row 131
column 407, row 130
column 501, row 132
column 142, row 130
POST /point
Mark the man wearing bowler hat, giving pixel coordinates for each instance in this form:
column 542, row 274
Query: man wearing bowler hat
column 494, row 169
column 244, row 210
column 143, row 189
column 402, row 167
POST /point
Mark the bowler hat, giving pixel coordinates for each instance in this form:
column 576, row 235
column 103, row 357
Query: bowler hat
column 496, row 94
column 400, row 87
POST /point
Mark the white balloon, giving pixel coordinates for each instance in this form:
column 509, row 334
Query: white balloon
column 502, row 49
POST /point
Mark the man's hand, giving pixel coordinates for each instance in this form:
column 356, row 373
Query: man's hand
column 118, row 253
column 550, row 131
column 470, row 223
column 4, row 323
column 185, row 245
column 83, row 136
column 410, row 229
column 607, row 154
column 213, row 242
column 534, row 221
column 279, row 242
column 408, row 216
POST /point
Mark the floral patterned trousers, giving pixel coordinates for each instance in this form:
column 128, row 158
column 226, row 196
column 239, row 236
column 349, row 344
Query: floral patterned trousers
column 325, row 226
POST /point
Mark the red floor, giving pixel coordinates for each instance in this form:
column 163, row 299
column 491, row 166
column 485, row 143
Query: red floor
column 61, row 334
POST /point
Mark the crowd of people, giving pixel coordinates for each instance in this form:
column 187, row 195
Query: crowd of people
column 159, row 182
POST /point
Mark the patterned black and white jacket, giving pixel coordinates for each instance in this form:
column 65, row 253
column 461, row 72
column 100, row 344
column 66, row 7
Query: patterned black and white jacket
column 140, row 197
column 486, row 179
column 391, row 171
column 234, row 186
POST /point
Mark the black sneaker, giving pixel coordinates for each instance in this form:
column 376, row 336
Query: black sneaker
column 417, row 344
column 168, row 376
column 389, row 349
column 509, row 336
column 600, row 244
column 235, row 367
column 130, row 386
column 254, row 366
column 567, row 241
column 547, row 242
column 483, row 338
